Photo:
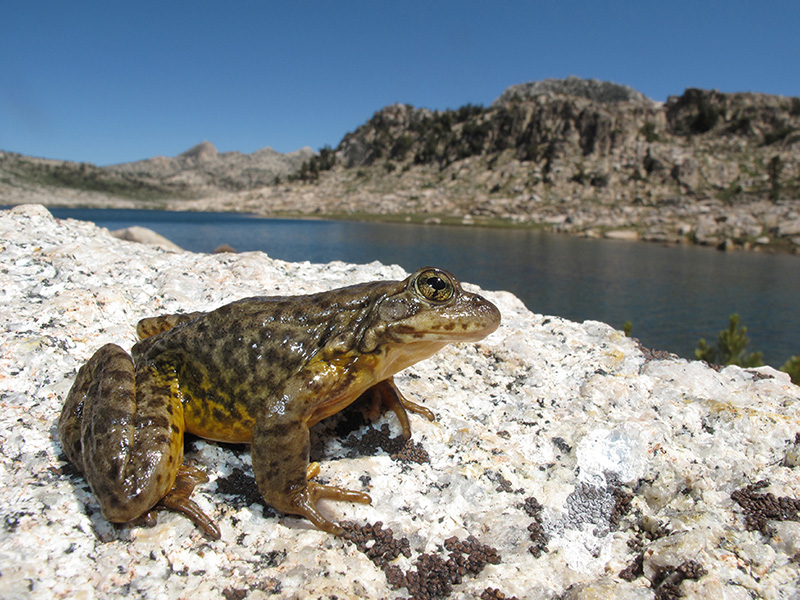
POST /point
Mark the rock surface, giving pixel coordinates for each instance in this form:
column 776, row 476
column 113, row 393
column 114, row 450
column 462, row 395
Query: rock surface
column 565, row 462
column 143, row 235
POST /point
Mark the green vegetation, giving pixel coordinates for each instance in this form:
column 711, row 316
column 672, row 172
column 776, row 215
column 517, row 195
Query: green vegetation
column 792, row 367
column 649, row 131
column 774, row 170
column 310, row 169
column 731, row 347
column 86, row 176
column 707, row 116
column 627, row 328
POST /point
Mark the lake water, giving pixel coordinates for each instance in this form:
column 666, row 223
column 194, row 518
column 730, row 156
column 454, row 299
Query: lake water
column 673, row 295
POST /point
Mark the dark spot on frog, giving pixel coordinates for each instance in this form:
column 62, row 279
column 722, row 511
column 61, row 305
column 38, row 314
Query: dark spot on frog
column 161, row 438
column 218, row 415
column 120, row 375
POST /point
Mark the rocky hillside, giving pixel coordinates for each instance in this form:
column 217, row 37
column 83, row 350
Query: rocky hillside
column 578, row 156
column 201, row 171
column 601, row 140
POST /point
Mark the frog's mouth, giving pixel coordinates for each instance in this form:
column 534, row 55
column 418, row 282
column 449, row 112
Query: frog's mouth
column 469, row 319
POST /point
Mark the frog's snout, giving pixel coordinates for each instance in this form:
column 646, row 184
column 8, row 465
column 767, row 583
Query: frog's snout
column 487, row 316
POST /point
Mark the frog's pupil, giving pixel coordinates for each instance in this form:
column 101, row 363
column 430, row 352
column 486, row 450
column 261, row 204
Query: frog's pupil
column 436, row 283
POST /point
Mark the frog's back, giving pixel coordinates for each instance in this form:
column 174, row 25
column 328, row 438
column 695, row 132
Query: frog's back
column 245, row 352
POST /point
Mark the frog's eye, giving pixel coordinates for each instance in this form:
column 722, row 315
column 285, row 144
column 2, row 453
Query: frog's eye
column 434, row 286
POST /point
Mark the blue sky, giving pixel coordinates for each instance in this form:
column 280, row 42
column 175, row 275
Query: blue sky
column 109, row 82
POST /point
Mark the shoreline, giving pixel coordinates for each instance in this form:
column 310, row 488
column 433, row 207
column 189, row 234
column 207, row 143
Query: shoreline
column 629, row 234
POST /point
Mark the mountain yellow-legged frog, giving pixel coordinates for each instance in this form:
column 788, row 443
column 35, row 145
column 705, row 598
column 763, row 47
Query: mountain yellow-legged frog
column 261, row 371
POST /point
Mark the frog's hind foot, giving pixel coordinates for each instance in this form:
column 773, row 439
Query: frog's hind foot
column 178, row 499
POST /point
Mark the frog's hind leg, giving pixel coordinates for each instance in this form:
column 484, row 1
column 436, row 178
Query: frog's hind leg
column 123, row 429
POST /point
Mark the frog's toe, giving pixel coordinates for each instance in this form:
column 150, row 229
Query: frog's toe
column 385, row 395
column 305, row 504
column 332, row 492
column 178, row 499
column 189, row 507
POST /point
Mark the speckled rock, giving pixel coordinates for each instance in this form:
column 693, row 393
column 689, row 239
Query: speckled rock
column 566, row 461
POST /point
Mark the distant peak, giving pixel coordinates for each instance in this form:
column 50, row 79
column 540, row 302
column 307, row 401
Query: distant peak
column 202, row 152
column 592, row 89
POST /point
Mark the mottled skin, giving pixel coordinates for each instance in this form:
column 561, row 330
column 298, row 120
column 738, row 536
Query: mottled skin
column 260, row 370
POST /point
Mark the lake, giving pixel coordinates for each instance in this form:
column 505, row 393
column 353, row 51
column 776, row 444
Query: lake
column 672, row 295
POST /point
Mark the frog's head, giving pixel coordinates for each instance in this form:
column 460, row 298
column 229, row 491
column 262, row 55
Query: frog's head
column 427, row 311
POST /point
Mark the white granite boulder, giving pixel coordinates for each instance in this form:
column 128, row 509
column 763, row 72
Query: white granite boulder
column 565, row 461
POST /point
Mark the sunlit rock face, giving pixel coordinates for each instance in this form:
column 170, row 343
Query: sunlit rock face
column 565, row 460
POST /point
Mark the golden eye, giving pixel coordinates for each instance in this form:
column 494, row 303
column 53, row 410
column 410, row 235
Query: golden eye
column 435, row 286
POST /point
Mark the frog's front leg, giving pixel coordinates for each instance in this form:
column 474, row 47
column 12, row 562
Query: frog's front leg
column 386, row 395
column 123, row 429
column 280, row 450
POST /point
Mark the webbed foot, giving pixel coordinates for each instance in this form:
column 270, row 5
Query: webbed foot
column 178, row 499
column 304, row 503
column 385, row 395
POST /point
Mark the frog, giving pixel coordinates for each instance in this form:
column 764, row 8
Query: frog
column 259, row 371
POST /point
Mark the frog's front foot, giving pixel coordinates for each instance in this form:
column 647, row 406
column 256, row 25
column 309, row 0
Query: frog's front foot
column 385, row 395
column 304, row 502
column 178, row 499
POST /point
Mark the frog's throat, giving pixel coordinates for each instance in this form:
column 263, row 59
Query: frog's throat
column 340, row 378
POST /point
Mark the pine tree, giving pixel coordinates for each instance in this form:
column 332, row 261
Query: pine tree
column 730, row 348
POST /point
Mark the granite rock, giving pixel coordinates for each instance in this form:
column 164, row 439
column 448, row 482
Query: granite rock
column 565, row 461
column 143, row 235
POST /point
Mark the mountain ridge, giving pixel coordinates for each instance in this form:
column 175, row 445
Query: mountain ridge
column 580, row 156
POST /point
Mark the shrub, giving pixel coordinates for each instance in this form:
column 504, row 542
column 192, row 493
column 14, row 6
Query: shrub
column 730, row 348
column 792, row 367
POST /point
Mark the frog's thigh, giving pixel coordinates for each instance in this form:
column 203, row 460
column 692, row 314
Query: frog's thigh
column 131, row 435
